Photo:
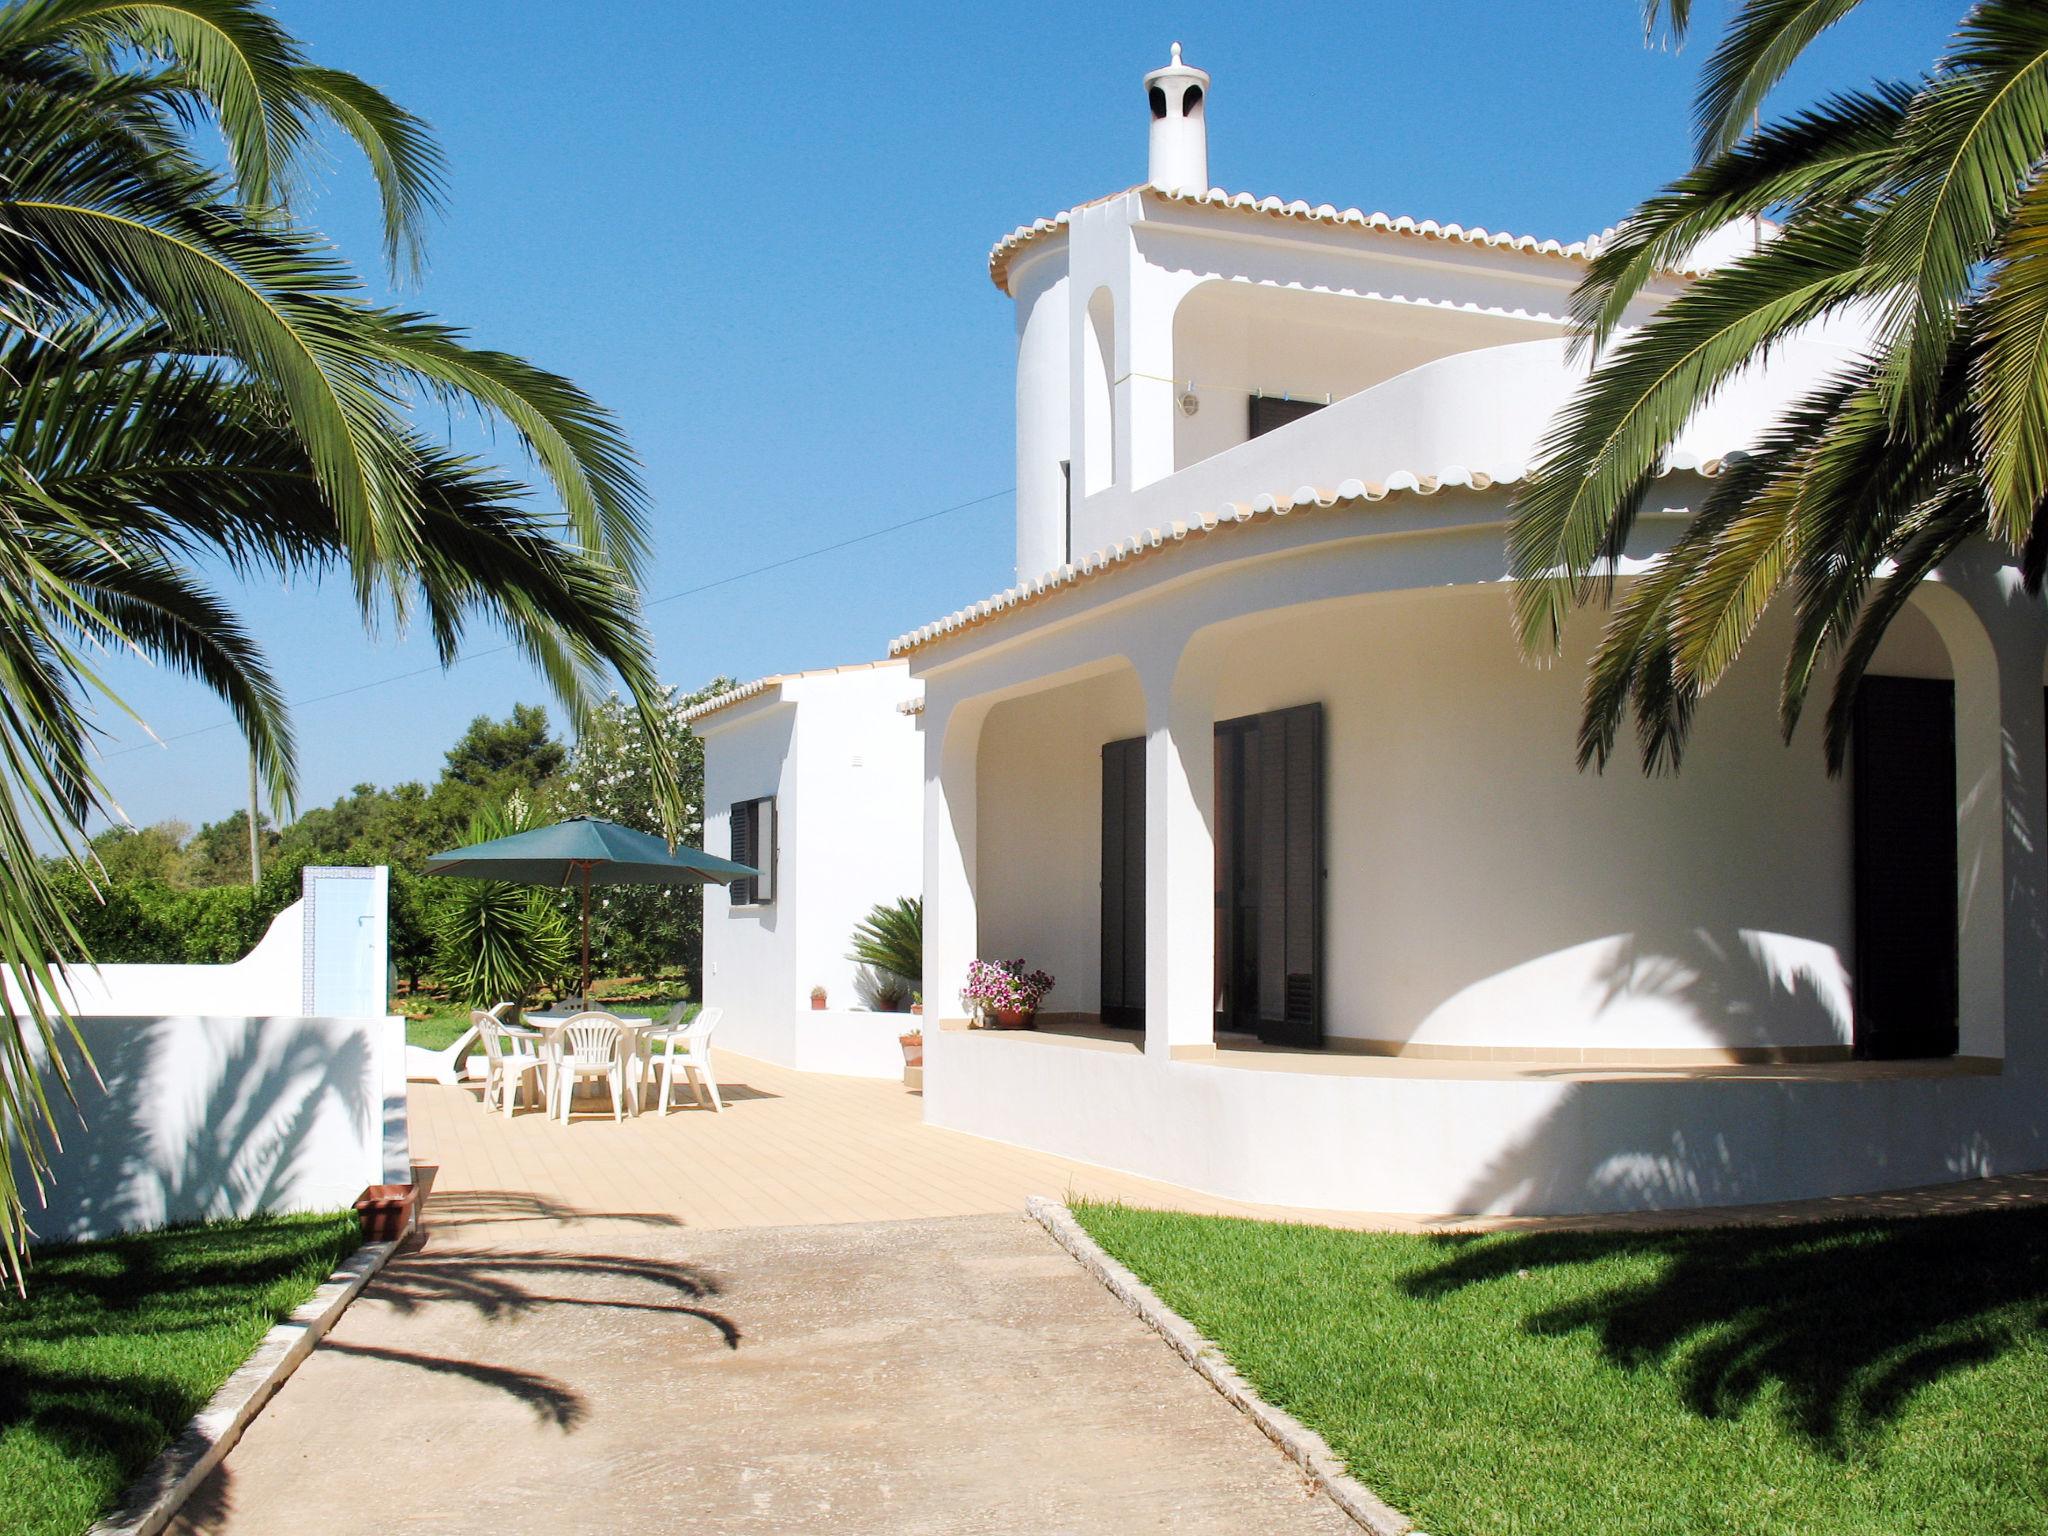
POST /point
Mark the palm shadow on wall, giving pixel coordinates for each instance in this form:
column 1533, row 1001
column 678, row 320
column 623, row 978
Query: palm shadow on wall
column 1848, row 1319
column 265, row 1098
column 1728, row 983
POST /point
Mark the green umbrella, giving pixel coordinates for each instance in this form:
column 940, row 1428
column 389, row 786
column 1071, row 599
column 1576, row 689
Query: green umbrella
column 586, row 851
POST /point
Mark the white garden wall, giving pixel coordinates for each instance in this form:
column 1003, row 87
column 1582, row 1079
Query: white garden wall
column 276, row 1083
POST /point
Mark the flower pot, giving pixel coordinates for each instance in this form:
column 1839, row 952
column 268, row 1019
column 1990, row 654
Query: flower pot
column 386, row 1211
column 1013, row 1018
column 917, row 1008
column 913, row 1049
column 817, row 1005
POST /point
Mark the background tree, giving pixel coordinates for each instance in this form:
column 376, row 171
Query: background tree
column 218, row 853
column 641, row 930
column 190, row 375
column 1921, row 203
column 501, row 756
column 134, row 855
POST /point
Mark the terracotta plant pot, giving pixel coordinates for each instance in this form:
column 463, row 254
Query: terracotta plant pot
column 1013, row 1018
column 913, row 1049
column 817, row 1005
column 386, row 1211
column 917, row 1008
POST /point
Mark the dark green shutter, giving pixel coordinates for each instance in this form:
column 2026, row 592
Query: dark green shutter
column 1123, row 882
column 741, row 820
column 1290, row 770
column 1905, row 829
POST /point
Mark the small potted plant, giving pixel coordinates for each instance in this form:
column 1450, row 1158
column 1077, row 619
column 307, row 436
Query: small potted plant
column 913, row 1047
column 917, row 1002
column 818, row 999
column 1005, row 994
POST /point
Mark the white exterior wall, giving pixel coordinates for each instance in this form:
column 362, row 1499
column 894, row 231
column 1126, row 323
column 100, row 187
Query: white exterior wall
column 1482, row 891
column 276, row 1083
column 1044, row 433
column 842, row 761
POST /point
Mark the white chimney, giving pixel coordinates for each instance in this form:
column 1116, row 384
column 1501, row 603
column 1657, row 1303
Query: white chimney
column 1180, row 133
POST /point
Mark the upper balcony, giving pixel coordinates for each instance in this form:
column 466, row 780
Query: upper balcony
column 1474, row 416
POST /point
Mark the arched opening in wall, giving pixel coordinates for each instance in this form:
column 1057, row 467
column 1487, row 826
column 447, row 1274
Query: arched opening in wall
column 1098, row 403
column 1250, row 359
column 1060, row 817
column 1903, row 781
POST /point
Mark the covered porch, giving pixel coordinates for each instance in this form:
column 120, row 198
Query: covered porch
column 1288, row 786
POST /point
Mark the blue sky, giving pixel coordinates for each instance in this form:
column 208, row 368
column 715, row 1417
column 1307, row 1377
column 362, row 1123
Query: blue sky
column 758, row 234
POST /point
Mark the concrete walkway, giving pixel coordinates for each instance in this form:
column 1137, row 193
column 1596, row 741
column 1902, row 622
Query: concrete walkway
column 812, row 1310
column 527, row 1371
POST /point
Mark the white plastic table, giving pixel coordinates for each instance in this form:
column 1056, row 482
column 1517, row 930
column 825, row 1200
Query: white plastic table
column 547, row 1027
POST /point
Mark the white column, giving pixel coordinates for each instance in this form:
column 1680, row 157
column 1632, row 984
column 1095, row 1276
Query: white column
column 1145, row 407
column 1180, row 863
column 952, row 737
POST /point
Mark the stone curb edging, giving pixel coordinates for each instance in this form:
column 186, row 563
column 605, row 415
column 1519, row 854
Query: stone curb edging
column 161, row 1491
column 1303, row 1446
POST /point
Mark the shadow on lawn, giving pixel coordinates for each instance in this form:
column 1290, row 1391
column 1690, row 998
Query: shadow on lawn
column 1849, row 1318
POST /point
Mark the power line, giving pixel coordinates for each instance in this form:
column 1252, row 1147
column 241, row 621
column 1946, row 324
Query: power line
column 655, row 602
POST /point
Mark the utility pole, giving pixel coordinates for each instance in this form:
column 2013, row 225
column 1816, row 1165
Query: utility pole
column 255, row 837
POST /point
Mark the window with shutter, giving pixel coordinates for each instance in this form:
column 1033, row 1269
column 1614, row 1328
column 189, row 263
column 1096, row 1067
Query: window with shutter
column 1123, row 882
column 1904, row 766
column 752, row 825
column 1271, row 412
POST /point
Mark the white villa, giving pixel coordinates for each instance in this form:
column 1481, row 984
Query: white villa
column 1246, row 758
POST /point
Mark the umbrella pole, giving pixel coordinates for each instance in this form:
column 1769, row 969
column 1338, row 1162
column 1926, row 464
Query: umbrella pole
column 586, row 935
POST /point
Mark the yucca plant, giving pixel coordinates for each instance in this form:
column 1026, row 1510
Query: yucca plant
column 496, row 941
column 188, row 373
column 890, row 939
column 1922, row 203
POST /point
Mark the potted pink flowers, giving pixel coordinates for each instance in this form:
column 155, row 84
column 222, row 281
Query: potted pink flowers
column 1004, row 993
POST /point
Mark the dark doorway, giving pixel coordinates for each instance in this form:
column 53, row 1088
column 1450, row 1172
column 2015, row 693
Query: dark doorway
column 1269, row 875
column 1123, row 883
column 1904, row 762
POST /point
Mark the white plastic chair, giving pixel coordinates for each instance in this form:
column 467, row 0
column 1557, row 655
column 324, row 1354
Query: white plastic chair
column 688, row 1047
column 506, row 1063
column 588, row 1046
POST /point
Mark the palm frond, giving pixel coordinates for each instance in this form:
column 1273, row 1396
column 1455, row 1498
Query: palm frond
column 1763, row 41
column 2010, row 387
column 1576, row 509
column 1828, row 157
column 1970, row 148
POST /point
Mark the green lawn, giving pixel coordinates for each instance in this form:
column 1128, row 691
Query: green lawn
column 119, row 1343
column 1847, row 1379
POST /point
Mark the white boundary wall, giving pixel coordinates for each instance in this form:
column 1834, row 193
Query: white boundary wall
column 276, row 1083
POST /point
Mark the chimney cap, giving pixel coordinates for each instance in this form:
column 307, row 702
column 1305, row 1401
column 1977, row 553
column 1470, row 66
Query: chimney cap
column 1176, row 70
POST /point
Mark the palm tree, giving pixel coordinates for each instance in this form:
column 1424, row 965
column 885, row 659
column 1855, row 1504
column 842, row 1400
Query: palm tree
column 890, row 940
column 188, row 372
column 1923, row 204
